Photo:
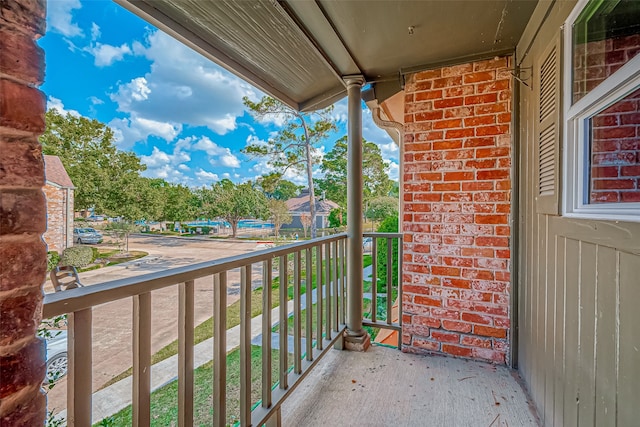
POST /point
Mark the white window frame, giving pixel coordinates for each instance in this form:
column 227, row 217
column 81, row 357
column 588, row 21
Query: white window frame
column 576, row 137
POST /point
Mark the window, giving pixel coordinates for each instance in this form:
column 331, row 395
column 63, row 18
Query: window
column 602, row 105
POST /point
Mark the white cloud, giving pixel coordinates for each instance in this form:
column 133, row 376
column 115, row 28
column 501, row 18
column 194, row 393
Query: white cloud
column 55, row 103
column 166, row 131
column 389, row 150
column 95, row 100
column 159, row 158
column 394, row 170
column 182, row 87
column 219, row 156
column 156, row 159
column 128, row 131
column 228, row 160
column 136, row 90
column 254, row 140
column 105, row 54
column 168, row 173
column 60, row 17
column 340, row 111
column 169, row 166
column 206, row 177
column 95, row 31
column 262, row 167
column 278, row 120
column 371, row 131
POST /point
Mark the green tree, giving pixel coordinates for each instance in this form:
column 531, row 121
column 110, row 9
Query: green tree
column 135, row 198
column 176, row 202
column 305, row 220
column 337, row 217
column 382, row 207
column 181, row 203
column 376, row 182
column 395, row 189
column 388, row 225
column 275, row 187
column 278, row 214
column 233, row 202
column 101, row 173
column 295, row 146
column 121, row 231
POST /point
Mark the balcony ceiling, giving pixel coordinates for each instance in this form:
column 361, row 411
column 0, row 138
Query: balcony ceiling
column 299, row 50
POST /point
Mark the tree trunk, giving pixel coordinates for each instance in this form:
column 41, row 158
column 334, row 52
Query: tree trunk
column 234, row 228
column 312, row 194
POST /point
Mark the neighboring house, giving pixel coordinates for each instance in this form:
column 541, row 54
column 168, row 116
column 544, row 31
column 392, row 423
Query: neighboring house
column 299, row 206
column 58, row 192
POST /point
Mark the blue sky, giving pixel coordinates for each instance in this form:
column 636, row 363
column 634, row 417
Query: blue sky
column 181, row 113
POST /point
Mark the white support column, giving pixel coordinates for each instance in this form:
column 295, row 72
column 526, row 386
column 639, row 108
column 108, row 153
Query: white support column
column 357, row 338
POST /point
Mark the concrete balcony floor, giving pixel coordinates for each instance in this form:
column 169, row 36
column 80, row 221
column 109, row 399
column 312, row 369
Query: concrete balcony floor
column 385, row 387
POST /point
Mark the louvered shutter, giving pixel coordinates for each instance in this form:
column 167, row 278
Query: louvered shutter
column 549, row 129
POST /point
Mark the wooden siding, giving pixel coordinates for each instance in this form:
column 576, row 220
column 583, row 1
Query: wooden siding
column 578, row 285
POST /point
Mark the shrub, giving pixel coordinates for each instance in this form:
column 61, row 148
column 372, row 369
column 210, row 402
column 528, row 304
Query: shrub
column 95, row 254
column 77, row 256
column 193, row 229
column 337, row 217
column 388, row 225
column 53, row 258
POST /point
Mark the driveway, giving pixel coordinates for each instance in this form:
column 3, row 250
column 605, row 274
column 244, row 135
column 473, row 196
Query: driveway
column 112, row 322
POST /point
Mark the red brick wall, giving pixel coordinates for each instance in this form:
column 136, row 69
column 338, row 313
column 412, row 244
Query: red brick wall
column 23, row 256
column 457, row 189
column 615, row 152
column 59, row 234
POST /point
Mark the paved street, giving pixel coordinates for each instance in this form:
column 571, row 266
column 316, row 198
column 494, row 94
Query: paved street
column 112, row 342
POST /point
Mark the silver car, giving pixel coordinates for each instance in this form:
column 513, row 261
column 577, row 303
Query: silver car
column 57, row 359
column 87, row 235
column 367, row 244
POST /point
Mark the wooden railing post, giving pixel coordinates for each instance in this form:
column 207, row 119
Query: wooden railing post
column 141, row 406
column 80, row 368
column 245, row 345
column 267, row 283
column 220, row 350
column 185, row 354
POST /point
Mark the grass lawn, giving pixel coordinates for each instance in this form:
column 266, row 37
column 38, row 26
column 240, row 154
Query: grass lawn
column 111, row 257
column 164, row 401
column 303, row 322
column 367, row 260
column 204, row 331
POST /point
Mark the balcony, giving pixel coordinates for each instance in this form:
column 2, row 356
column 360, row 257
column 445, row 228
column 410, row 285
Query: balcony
column 301, row 381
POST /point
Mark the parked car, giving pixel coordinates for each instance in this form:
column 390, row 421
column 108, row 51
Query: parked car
column 86, row 235
column 57, row 359
column 95, row 218
column 367, row 244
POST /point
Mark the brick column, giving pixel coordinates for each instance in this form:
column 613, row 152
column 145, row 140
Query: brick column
column 456, row 216
column 23, row 255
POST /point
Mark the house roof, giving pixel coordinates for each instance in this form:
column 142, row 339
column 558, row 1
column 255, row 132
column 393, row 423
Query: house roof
column 55, row 172
column 300, row 51
column 301, row 204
